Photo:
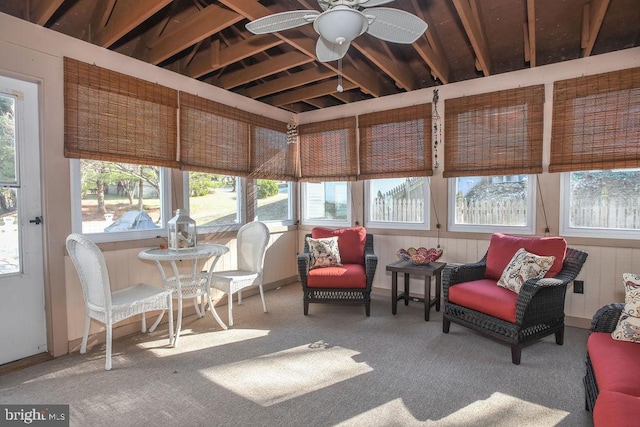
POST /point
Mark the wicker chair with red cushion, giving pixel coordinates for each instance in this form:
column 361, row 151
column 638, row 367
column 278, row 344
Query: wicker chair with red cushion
column 472, row 297
column 348, row 283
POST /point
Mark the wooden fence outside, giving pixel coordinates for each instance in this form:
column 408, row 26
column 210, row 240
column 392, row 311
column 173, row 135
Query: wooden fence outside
column 397, row 210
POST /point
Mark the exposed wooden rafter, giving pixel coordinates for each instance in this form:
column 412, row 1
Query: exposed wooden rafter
column 125, row 16
column 430, row 48
column 309, row 92
column 530, row 34
column 40, row 11
column 199, row 26
column 591, row 23
column 467, row 11
column 214, row 57
column 266, row 68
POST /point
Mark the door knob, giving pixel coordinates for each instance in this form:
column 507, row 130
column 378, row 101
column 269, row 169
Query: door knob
column 37, row 220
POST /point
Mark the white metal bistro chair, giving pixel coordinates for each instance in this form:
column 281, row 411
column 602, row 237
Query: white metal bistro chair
column 108, row 306
column 252, row 243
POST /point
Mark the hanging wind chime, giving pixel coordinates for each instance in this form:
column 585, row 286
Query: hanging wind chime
column 437, row 129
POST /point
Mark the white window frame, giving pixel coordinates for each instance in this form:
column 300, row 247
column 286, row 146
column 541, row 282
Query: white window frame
column 595, row 232
column 241, row 217
column 291, row 207
column 527, row 229
column 76, row 209
column 327, row 223
column 424, row 225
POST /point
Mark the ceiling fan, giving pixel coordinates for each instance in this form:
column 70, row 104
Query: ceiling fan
column 342, row 21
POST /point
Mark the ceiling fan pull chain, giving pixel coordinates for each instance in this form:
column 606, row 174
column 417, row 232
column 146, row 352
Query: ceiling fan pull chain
column 340, row 88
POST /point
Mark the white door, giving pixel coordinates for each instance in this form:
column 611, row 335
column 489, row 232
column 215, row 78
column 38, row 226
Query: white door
column 23, row 329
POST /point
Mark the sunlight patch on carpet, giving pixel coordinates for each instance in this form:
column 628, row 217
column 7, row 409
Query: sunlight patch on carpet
column 196, row 341
column 277, row 377
column 499, row 410
column 504, row 410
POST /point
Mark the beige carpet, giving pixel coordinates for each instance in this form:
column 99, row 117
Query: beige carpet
column 333, row 367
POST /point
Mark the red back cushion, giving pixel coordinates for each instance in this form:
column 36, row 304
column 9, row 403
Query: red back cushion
column 503, row 247
column 350, row 242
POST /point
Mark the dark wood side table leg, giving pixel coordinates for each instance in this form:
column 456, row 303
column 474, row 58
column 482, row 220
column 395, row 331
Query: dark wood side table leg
column 406, row 288
column 427, row 297
column 394, row 292
column 438, row 290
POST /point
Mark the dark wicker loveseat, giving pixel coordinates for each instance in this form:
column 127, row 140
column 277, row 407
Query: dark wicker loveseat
column 333, row 289
column 539, row 308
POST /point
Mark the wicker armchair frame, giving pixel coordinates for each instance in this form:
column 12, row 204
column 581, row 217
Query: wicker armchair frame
column 605, row 320
column 338, row 295
column 539, row 309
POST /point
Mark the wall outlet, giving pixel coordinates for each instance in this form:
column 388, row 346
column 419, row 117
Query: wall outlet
column 578, row 286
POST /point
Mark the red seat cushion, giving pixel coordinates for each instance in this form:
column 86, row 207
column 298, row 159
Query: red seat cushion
column 344, row 276
column 350, row 242
column 502, row 248
column 486, row 297
column 615, row 363
column 616, row 409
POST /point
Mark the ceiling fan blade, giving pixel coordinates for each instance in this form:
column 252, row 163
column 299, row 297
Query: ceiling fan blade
column 374, row 3
column 395, row 25
column 282, row 21
column 327, row 51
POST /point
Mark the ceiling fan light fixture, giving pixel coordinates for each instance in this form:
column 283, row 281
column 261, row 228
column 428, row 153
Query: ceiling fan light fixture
column 341, row 24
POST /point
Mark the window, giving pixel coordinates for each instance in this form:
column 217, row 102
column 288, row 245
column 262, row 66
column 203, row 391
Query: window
column 601, row 203
column 274, row 201
column 397, row 203
column 488, row 204
column 213, row 200
column 327, row 203
column 119, row 201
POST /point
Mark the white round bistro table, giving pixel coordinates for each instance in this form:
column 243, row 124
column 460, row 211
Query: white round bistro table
column 194, row 284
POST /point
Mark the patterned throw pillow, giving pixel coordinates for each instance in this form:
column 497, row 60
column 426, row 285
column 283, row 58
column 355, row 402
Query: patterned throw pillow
column 522, row 267
column 324, row 252
column 628, row 328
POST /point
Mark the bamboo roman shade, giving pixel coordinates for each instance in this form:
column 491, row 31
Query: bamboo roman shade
column 214, row 137
column 396, row 143
column 596, row 122
column 497, row 133
column 271, row 156
column 113, row 117
column 328, row 150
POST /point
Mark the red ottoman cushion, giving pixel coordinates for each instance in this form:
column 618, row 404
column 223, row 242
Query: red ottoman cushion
column 344, row 276
column 615, row 363
column 502, row 248
column 486, row 297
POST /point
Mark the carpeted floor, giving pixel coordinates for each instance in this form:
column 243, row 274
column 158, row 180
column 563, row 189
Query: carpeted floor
column 333, row 367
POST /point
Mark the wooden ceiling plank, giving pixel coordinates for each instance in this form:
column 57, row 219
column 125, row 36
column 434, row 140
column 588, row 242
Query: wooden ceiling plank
column 124, row 18
column 324, row 102
column 308, row 92
column 531, row 33
column 401, row 74
column 265, row 68
column 297, row 79
column 598, row 11
column 305, row 42
column 42, row 10
column 203, row 63
column 201, row 25
column 472, row 28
